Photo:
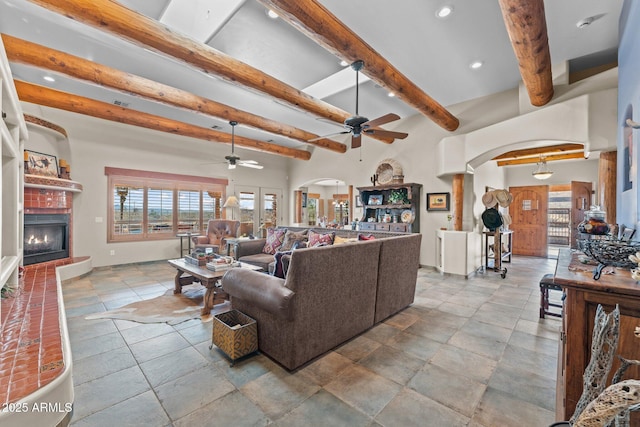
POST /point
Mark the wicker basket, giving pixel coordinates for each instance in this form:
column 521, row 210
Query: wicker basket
column 610, row 251
column 235, row 333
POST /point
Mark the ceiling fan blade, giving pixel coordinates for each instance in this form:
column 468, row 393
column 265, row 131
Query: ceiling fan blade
column 356, row 141
column 250, row 165
column 387, row 118
column 386, row 133
column 328, row 136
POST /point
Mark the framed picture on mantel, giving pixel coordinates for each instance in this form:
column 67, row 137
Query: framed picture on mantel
column 40, row 164
column 438, row 201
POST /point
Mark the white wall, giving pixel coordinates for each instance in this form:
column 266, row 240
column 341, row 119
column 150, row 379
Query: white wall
column 94, row 144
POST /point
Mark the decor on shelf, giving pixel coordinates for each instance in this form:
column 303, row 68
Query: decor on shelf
column 40, row 164
column 398, row 197
column 542, row 170
column 438, row 201
column 389, row 171
column 375, row 199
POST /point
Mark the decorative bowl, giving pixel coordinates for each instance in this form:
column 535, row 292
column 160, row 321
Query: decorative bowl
column 610, row 251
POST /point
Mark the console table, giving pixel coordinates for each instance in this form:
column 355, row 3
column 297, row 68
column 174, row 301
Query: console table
column 583, row 294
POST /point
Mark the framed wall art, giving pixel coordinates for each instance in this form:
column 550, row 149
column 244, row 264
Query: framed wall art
column 40, row 164
column 358, row 201
column 438, row 201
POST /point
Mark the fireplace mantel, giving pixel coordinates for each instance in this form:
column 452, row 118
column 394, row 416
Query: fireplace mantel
column 50, row 183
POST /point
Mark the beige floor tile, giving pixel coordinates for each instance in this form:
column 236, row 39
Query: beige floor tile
column 455, row 391
column 363, row 389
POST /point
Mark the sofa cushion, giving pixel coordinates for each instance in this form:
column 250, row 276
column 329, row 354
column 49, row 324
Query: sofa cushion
column 291, row 237
column 317, row 239
column 275, row 237
column 261, row 260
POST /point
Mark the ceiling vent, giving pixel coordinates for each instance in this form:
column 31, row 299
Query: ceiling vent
column 121, row 103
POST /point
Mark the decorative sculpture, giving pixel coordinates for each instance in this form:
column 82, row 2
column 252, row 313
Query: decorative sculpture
column 603, row 346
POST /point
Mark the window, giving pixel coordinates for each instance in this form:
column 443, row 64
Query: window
column 152, row 205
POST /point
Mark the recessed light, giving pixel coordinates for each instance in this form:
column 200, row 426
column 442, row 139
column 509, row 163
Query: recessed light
column 444, row 11
column 475, row 65
column 49, row 78
column 271, row 14
column 391, row 94
column 344, row 63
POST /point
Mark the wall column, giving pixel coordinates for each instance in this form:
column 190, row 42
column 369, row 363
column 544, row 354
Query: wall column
column 297, row 201
column 458, row 198
column 607, row 171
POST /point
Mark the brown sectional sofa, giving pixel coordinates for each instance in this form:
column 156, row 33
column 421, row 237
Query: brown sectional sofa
column 330, row 295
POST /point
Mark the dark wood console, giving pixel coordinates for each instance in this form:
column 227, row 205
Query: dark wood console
column 583, row 295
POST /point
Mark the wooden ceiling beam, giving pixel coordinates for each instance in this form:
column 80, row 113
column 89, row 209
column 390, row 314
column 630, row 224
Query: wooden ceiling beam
column 527, row 28
column 25, row 52
column 41, row 95
column 549, row 158
column 112, row 17
column 320, row 25
column 527, row 152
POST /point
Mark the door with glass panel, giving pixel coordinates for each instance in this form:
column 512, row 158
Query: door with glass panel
column 260, row 208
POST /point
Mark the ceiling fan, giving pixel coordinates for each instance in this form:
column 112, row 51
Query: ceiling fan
column 358, row 125
column 234, row 160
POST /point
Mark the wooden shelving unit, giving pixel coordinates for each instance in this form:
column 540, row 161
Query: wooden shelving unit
column 13, row 132
column 374, row 214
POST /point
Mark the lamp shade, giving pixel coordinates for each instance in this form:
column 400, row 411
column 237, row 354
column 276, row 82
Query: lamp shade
column 232, row 202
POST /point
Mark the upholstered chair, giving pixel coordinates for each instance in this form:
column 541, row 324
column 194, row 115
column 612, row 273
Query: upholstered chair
column 217, row 232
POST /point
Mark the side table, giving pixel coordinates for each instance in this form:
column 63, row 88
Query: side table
column 188, row 235
column 232, row 242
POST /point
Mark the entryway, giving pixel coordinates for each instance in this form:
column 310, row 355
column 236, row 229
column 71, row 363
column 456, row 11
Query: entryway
column 545, row 217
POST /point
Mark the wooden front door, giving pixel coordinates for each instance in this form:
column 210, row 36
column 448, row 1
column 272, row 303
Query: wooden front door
column 580, row 202
column 529, row 220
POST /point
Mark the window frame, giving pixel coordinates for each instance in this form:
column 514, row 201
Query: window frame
column 165, row 181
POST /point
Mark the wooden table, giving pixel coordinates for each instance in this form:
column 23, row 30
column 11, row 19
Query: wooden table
column 583, row 295
column 207, row 278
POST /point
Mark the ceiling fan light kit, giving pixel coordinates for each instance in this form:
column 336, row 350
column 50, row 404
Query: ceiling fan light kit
column 234, row 160
column 542, row 170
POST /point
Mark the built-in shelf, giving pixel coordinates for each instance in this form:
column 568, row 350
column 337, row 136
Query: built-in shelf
column 50, row 183
column 43, row 125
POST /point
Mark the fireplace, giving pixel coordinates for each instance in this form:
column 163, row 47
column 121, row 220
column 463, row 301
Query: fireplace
column 46, row 237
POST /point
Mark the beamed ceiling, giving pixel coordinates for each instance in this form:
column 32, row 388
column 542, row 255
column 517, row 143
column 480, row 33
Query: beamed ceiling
column 188, row 67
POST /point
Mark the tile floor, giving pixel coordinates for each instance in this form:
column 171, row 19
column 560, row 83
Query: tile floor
column 466, row 353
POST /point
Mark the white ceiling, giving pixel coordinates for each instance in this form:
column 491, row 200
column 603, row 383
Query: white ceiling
column 434, row 53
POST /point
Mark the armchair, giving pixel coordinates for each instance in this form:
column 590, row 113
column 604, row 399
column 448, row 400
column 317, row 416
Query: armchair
column 217, row 231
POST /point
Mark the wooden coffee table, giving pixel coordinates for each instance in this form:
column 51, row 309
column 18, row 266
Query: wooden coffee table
column 207, row 278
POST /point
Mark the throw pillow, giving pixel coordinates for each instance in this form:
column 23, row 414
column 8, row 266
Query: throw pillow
column 279, row 270
column 292, row 237
column 275, row 237
column 316, row 239
column 365, row 237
